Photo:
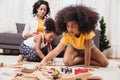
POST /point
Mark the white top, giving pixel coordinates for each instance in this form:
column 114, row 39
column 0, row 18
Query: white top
column 31, row 26
column 30, row 41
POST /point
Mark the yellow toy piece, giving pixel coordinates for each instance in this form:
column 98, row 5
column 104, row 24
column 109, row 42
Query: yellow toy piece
column 57, row 72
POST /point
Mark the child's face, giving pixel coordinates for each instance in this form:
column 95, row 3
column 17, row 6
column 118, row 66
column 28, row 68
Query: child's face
column 50, row 36
column 72, row 28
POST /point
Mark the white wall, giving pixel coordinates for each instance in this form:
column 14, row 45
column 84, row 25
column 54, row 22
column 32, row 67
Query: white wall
column 16, row 10
column 21, row 10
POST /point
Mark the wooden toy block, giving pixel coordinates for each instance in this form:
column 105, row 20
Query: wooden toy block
column 1, row 64
column 93, row 77
column 119, row 66
column 28, row 70
column 23, row 78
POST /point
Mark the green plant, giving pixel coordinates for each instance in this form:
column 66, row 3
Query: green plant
column 104, row 43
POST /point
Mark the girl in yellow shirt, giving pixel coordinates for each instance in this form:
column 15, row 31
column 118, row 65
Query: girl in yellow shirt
column 78, row 24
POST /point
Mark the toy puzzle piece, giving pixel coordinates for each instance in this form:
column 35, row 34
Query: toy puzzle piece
column 1, row 64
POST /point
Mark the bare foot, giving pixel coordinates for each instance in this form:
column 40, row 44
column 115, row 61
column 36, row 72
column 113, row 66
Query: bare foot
column 20, row 58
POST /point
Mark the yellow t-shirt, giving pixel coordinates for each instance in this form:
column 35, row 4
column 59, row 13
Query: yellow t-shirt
column 77, row 43
column 40, row 28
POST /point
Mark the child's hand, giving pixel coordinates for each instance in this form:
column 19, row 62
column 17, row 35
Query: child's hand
column 41, row 64
column 49, row 62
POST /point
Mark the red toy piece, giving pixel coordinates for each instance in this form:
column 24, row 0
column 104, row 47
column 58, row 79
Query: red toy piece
column 53, row 69
column 80, row 70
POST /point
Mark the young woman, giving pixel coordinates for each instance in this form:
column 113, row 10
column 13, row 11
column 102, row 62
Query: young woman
column 31, row 48
column 78, row 24
column 35, row 26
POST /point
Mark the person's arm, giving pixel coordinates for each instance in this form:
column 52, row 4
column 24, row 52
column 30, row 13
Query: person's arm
column 38, row 41
column 52, row 54
column 29, row 29
column 26, row 30
column 49, row 47
column 87, row 49
column 28, row 35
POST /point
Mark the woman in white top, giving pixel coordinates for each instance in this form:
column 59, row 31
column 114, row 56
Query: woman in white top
column 31, row 48
column 35, row 26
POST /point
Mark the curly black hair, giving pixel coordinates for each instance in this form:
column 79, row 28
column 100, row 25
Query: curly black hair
column 37, row 5
column 50, row 25
column 85, row 16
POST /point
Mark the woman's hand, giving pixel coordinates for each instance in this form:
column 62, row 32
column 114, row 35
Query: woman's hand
column 35, row 33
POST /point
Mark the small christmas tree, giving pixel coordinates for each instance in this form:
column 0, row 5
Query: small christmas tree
column 104, row 43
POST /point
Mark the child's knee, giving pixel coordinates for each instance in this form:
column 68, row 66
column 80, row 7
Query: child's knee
column 67, row 62
column 105, row 64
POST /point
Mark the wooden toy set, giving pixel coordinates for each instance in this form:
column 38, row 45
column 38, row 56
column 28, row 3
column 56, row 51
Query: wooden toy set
column 51, row 73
